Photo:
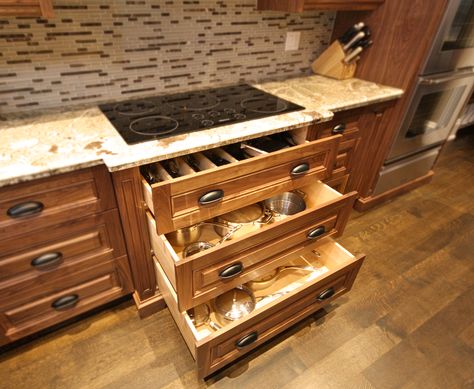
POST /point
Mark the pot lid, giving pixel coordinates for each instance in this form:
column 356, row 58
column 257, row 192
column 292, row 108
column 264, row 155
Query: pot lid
column 247, row 214
column 235, row 303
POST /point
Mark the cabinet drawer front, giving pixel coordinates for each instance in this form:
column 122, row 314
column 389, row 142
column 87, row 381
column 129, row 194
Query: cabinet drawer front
column 214, row 349
column 35, row 205
column 197, row 278
column 104, row 283
column 62, row 246
column 240, row 183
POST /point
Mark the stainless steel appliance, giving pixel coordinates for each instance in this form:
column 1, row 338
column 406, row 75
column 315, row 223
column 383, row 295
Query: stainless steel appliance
column 442, row 90
column 453, row 47
column 432, row 113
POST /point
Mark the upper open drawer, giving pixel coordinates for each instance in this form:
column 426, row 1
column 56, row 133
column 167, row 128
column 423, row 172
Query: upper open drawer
column 190, row 189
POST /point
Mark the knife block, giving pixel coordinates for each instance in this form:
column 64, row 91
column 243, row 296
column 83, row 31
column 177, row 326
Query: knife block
column 331, row 63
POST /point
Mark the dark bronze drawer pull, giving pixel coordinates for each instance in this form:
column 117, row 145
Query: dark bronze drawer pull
column 47, row 260
column 25, row 209
column 326, row 294
column 300, row 169
column 231, row 271
column 211, row 197
column 316, row 233
column 247, row 340
column 339, row 129
column 65, row 302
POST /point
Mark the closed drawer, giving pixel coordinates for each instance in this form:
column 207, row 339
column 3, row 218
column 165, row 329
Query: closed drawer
column 41, row 203
column 292, row 297
column 57, row 249
column 215, row 190
column 92, row 288
column 199, row 277
column 347, row 125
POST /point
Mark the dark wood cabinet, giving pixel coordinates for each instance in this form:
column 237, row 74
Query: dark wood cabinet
column 308, row 5
column 62, row 251
column 42, row 8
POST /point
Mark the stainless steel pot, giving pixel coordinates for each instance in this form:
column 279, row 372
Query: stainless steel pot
column 185, row 236
column 196, row 247
column 243, row 220
column 285, row 204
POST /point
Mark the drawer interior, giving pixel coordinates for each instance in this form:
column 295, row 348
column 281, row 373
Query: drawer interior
column 191, row 164
column 316, row 195
column 312, row 266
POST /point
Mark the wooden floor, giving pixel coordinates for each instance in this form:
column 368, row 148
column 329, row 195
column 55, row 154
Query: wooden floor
column 408, row 322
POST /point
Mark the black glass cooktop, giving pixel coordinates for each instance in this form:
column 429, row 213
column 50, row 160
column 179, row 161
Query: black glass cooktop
column 163, row 116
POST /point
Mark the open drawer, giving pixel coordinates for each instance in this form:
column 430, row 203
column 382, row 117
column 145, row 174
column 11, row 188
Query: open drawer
column 190, row 189
column 294, row 295
column 206, row 274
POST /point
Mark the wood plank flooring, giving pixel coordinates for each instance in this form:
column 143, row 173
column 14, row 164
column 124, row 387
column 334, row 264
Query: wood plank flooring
column 408, row 322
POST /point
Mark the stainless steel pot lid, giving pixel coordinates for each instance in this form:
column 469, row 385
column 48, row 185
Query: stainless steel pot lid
column 248, row 214
column 235, row 303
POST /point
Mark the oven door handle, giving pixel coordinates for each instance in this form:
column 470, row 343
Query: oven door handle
column 449, row 77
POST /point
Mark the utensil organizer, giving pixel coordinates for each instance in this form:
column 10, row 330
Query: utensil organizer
column 331, row 63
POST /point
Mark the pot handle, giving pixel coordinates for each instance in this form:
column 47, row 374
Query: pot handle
column 268, row 216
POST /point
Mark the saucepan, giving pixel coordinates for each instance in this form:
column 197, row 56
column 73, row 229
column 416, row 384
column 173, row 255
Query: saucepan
column 197, row 246
column 243, row 220
column 286, row 204
column 185, row 236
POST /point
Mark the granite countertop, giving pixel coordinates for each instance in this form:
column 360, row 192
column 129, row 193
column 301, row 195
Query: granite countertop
column 34, row 146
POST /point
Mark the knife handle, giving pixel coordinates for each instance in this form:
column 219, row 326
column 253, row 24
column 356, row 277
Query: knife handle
column 360, row 35
column 354, row 53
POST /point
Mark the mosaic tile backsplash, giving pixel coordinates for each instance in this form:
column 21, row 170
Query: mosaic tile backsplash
column 101, row 50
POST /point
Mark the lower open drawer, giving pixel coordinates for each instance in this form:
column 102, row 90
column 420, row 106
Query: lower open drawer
column 198, row 278
column 294, row 295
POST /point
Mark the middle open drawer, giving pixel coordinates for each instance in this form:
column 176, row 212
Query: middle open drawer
column 206, row 274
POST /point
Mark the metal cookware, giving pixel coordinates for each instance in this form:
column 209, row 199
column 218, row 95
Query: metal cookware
column 264, row 281
column 198, row 246
column 234, row 304
column 243, row 220
column 185, row 236
column 200, row 315
column 285, row 204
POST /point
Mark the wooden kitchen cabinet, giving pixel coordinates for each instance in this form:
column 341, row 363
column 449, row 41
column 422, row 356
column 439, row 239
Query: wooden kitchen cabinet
column 42, row 8
column 359, row 128
column 304, row 238
column 308, row 5
column 62, row 250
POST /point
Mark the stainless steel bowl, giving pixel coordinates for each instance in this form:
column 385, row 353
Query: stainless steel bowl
column 287, row 203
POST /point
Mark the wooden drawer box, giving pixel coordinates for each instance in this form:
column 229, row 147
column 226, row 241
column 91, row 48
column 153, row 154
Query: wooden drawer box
column 198, row 278
column 302, row 295
column 93, row 287
column 59, row 248
column 197, row 196
column 42, row 203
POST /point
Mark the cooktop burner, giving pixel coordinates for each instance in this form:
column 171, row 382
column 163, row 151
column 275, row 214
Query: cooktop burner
column 158, row 117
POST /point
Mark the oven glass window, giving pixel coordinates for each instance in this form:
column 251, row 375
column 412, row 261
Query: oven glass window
column 461, row 33
column 434, row 111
